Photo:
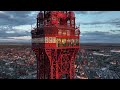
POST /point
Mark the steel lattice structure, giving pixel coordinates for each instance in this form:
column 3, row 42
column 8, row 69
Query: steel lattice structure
column 55, row 42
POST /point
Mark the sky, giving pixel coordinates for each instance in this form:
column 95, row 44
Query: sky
column 95, row 26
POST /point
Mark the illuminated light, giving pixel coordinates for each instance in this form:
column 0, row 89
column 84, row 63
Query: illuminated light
column 68, row 32
column 64, row 33
column 46, row 40
column 50, row 40
column 59, row 32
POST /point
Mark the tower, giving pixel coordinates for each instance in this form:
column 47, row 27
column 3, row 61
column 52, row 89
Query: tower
column 55, row 42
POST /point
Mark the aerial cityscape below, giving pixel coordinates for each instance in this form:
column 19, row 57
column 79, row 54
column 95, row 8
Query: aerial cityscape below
column 93, row 62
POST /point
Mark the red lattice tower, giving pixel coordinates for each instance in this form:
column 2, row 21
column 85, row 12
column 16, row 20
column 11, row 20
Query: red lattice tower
column 55, row 42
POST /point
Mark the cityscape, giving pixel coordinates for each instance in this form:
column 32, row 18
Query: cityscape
column 98, row 62
column 17, row 62
column 93, row 61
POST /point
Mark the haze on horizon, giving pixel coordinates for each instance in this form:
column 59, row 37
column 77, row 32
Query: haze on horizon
column 95, row 26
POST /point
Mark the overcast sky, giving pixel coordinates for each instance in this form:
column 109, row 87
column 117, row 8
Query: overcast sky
column 95, row 26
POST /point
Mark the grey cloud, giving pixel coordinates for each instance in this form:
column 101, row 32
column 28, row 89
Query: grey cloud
column 94, row 23
column 9, row 19
column 103, row 37
column 14, row 18
column 5, row 29
column 90, row 12
column 115, row 22
column 115, row 30
column 4, row 34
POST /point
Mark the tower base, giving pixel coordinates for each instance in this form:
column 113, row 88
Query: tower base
column 55, row 63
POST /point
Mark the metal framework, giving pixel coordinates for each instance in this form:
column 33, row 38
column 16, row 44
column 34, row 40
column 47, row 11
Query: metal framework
column 55, row 42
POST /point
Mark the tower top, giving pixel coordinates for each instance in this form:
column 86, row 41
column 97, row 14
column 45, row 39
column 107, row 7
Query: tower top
column 57, row 18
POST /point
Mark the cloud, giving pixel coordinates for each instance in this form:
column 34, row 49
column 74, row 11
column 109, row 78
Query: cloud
column 90, row 12
column 115, row 30
column 21, row 38
column 16, row 23
column 15, row 18
column 115, row 22
column 13, row 33
column 94, row 23
column 109, row 24
column 100, row 37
